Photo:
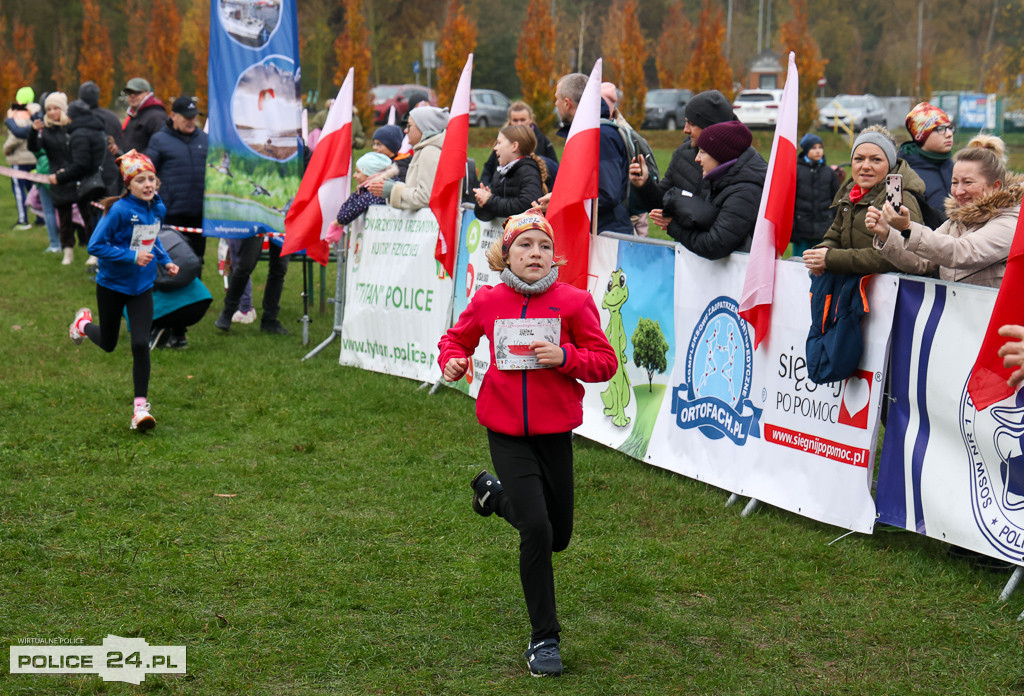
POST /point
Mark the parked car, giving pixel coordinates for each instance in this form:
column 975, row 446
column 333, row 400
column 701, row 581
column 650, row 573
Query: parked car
column 854, row 110
column 758, row 108
column 487, row 107
column 663, row 108
column 398, row 96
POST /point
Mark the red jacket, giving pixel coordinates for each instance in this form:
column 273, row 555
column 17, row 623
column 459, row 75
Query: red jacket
column 534, row 402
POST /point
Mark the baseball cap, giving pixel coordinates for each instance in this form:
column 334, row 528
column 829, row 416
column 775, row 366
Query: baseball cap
column 186, row 106
column 137, row 84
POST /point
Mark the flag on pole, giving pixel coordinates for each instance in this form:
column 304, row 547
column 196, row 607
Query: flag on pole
column 987, row 383
column 446, row 196
column 326, row 183
column 775, row 215
column 569, row 209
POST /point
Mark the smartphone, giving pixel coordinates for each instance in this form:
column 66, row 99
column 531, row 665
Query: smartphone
column 894, row 191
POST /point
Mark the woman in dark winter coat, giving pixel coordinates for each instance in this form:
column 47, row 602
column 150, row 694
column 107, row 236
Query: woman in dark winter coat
column 720, row 218
column 88, row 149
column 816, row 187
column 50, row 135
column 519, row 178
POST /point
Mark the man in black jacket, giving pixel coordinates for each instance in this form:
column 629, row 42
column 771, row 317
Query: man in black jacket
column 703, row 110
column 146, row 115
column 178, row 151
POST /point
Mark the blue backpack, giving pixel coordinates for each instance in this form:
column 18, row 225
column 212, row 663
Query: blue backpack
column 835, row 342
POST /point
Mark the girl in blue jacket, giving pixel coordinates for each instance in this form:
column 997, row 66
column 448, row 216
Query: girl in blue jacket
column 126, row 244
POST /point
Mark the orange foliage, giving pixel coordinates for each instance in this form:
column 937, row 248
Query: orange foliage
column 458, row 40
column 134, row 60
column 352, row 49
column 624, row 55
column 65, row 68
column 673, row 48
column 163, row 44
column 15, row 70
column 195, row 38
column 709, row 69
column 535, row 62
column 795, row 36
column 97, row 62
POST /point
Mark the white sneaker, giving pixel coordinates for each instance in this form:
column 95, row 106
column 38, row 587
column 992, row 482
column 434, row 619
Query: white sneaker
column 91, row 261
column 69, row 256
column 76, row 330
column 240, row 317
column 141, row 420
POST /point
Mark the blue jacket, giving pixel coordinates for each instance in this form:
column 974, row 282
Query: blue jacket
column 180, row 162
column 937, row 175
column 111, row 244
column 612, row 179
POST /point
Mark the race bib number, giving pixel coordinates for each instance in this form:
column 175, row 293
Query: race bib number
column 512, row 339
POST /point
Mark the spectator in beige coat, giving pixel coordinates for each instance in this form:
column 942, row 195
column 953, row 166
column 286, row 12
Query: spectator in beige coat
column 426, row 131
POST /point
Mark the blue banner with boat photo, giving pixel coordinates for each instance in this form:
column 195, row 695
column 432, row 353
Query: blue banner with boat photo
column 254, row 163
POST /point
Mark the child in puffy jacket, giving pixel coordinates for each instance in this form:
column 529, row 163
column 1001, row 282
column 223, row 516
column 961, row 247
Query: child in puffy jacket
column 373, row 166
column 519, row 178
column 128, row 249
column 544, row 337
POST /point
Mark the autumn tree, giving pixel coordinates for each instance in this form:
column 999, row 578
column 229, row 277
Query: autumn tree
column 673, row 48
column 709, row 69
column 795, row 36
column 195, row 39
column 65, row 67
column 163, row 45
column 133, row 57
column 15, row 70
column 96, row 63
column 352, row 49
column 317, row 39
column 535, row 62
column 458, row 40
column 624, row 55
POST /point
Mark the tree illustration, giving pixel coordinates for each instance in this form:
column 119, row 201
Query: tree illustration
column 673, row 48
column 458, row 40
column 96, row 64
column 535, row 62
column 625, row 52
column 795, row 36
column 352, row 49
column 650, row 349
column 711, row 70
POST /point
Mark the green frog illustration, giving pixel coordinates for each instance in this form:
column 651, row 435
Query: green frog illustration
column 616, row 396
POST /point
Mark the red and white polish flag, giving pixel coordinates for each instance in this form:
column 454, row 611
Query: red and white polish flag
column 569, row 209
column 446, row 195
column 774, row 224
column 326, row 183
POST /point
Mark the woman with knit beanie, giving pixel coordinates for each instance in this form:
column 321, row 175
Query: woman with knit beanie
column 816, row 187
column 719, row 218
column 426, row 131
column 847, row 247
column 50, row 136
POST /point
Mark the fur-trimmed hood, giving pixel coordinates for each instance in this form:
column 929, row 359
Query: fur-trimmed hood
column 1006, row 199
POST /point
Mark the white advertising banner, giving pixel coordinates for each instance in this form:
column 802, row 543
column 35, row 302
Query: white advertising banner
column 397, row 296
column 632, row 284
column 947, row 470
column 472, row 273
column 752, row 422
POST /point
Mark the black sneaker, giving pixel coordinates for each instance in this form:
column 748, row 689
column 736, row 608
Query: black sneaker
column 176, row 341
column 223, row 322
column 274, row 327
column 544, row 659
column 485, row 493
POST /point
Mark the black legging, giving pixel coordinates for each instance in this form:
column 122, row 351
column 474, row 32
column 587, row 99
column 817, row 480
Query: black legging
column 536, row 474
column 109, row 305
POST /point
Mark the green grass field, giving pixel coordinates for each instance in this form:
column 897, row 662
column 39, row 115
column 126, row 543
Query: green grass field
column 348, row 560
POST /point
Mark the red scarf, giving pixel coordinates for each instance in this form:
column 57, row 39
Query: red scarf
column 856, row 193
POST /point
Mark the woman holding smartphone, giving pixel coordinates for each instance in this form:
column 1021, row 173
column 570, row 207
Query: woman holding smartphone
column 973, row 245
column 847, row 247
